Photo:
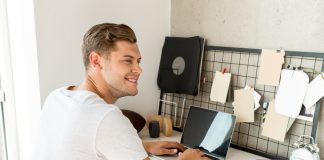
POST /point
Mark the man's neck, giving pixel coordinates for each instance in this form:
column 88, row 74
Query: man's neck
column 90, row 84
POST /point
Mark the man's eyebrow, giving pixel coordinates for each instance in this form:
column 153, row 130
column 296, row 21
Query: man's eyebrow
column 132, row 57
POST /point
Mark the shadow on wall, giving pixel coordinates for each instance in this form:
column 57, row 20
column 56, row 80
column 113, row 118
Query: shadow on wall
column 320, row 131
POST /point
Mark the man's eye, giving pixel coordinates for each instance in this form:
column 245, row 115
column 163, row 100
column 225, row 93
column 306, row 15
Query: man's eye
column 128, row 61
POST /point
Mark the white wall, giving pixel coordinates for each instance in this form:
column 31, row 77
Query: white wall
column 291, row 24
column 60, row 26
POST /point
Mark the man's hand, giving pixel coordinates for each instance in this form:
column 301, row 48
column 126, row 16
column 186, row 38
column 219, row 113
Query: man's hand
column 163, row 148
column 192, row 154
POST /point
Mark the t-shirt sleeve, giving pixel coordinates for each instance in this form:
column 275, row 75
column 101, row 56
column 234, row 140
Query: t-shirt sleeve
column 117, row 138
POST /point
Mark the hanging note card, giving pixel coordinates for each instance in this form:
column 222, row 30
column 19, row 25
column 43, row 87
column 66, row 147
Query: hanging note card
column 275, row 125
column 270, row 67
column 257, row 98
column 315, row 91
column 220, row 87
column 244, row 105
column 291, row 92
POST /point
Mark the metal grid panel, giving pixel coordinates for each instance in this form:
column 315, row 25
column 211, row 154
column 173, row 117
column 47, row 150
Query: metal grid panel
column 243, row 64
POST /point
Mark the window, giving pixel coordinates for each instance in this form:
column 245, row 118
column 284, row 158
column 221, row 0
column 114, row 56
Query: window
column 3, row 146
column 19, row 79
column 8, row 145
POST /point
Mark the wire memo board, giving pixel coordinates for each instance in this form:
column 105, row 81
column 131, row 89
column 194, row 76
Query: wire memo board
column 243, row 64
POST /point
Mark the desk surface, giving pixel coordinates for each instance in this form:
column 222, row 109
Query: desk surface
column 233, row 154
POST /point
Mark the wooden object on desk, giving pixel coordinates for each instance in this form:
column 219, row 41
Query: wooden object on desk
column 167, row 127
column 156, row 118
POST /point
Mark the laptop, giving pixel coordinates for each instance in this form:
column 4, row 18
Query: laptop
column 209, row 131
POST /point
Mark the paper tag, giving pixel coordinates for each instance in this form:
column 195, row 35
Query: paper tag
column 315, row 91
column 220, row 87
column 244, row 105
column 257, row 98
column 291, row 92
column 275, row 125
column 270, row 66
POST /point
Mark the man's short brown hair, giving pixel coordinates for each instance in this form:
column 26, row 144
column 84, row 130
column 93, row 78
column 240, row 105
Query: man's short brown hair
column 101, row 38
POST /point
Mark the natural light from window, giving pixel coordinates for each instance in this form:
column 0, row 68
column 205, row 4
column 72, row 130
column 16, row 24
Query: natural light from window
column 19, row 72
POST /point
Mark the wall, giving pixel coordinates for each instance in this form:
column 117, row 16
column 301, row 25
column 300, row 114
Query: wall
column 60, row 26
column 292, row 25
column 252, row 24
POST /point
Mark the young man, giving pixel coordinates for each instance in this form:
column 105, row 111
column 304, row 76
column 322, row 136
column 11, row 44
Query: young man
column 81, row 122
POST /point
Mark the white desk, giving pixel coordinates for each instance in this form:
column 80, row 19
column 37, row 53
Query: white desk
column 233, row 154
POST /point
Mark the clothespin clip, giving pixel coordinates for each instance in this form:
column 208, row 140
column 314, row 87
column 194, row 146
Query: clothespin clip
column 292, row 68
column 278, row 51
column 203, row 79
column 224, row 70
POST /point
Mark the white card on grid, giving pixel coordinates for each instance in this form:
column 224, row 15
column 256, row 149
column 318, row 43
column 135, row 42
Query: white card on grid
column 291, row 92
column 315, row 91
column 257, row 98
column 220, row 87
column 270, row 66
column 275, row 125
column 244, row 105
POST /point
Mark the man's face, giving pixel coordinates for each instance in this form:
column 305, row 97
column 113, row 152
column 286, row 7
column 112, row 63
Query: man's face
column 121, row 70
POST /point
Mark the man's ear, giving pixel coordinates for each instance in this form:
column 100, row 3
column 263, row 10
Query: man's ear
column 95, row 60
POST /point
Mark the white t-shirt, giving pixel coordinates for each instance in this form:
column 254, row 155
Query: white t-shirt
column 79, row 125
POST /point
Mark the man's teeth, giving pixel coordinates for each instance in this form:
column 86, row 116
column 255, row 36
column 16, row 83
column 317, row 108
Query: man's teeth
column 132, row 80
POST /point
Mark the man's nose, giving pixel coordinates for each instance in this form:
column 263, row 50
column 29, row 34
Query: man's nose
column 137, row 69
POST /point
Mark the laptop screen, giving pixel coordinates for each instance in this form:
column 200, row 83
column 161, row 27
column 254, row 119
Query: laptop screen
column 210, row 131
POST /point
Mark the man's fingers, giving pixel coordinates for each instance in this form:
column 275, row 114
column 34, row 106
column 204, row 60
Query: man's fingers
column 169, row 151
column 201, row 153
column 173, row 145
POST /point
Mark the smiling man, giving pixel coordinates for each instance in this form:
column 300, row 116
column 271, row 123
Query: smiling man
column 81, row 122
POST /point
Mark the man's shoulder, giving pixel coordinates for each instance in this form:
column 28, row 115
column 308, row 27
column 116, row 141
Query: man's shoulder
column 78, row 96
column 81, row 98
